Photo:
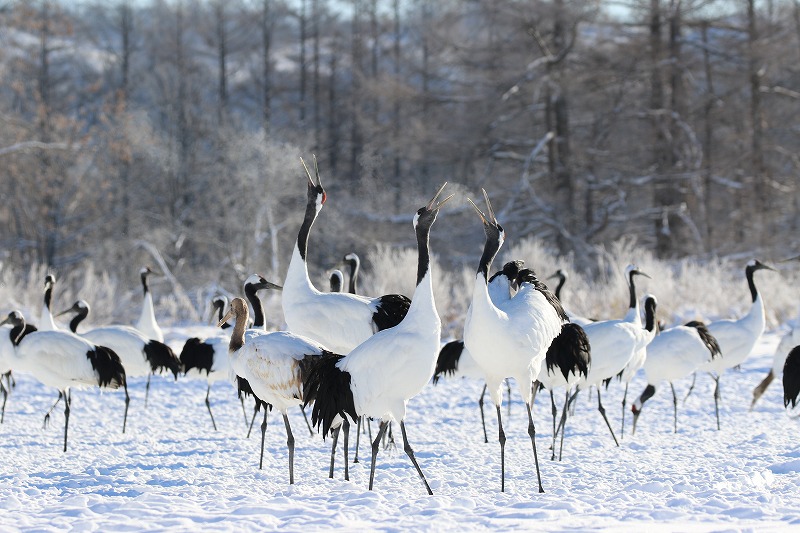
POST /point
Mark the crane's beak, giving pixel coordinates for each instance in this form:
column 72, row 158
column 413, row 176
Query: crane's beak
column 432, row 205
column 227, row 317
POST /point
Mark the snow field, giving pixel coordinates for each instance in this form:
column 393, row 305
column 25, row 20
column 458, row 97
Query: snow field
column 172, row 471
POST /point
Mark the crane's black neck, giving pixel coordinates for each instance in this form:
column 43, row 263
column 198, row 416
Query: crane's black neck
column 221, row 313
column 490, row 250
column 561, row 280
column 48, row 295
column 77, row 319
column 631, row 290
column 649, row 314
column 305, row 228
column 145, row 288
column 336, row 283
column 354, row 267
column 748, row 272
column 258, row 307
column 423, row 231
column 17, row 332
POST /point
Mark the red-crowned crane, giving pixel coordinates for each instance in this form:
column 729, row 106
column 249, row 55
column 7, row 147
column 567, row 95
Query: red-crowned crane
column 340, row 321
column 65, row 361
column 510, row 341
column 381, row 374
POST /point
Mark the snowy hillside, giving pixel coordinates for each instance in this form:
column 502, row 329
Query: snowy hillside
column 171, row 470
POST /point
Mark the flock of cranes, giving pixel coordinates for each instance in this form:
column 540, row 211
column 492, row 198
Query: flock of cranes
column 353, row 358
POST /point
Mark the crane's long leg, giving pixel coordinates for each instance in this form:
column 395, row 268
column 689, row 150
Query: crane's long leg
column 410, row 453
column 570, row 405
column 624, row 403
column 5, row 399
column 691, row 387
column 674, row 406
column 241, row 399
column 308, row 424
column 532, row 433
column 208, row 406
column 554, row 410
column 716, row 398
column 502, row 439
column 375, row 445
column 563, row 425
column 263, row 436
column 47, row 416
column 290, row 445
column 147, row 391
column 333, row 450
column 483, row 420
column 603, row 412
column 761, row 388
column 127, row 403
column 346, row 428
column 358, row 437
column 67, row 405
column 256, row 408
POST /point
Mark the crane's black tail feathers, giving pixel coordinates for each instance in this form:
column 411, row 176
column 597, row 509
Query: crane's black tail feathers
column 447, row 363
column 791, row 377
column 196, row 354
column 106, row 363
column 570, row 351
column 391, row 310
column 328, row 387
column 161, row 357
column 708, row 339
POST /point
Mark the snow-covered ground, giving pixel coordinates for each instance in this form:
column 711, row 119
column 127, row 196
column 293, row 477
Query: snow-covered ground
column 172, row 471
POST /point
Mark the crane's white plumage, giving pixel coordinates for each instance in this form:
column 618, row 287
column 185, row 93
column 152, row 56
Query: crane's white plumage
column 140, row 355
column 675, row 353
column 147, row 323
column 272, row 364
column 736, row 337
column 65, row 361
column 509, row 339
column 378, row 377
column 340, row 321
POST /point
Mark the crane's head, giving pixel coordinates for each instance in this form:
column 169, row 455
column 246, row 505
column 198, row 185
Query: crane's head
column 491, row 227
column 351, row 259
column 426, row 215
column 257, row 282
column 633, row 270
column 755, row 264
column 559, row 274
column 316, row 193
column 336, row 280
column 238, row 311
column 219, row 302
column 49, row 281
column 14, row 318
column 78, row 307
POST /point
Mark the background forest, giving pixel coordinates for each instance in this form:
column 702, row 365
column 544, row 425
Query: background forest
column 169, row 133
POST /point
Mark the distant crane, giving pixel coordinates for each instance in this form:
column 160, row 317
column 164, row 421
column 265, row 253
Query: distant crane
column 674, row 353
column 736, row 337
column 140, row 355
